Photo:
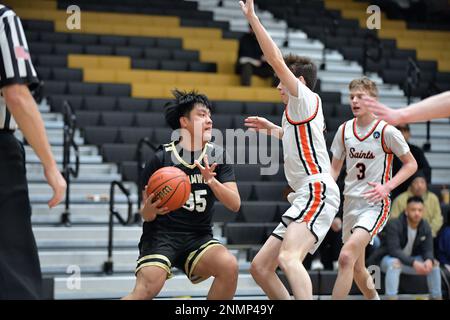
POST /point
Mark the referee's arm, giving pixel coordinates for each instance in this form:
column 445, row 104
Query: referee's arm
column 16, row 72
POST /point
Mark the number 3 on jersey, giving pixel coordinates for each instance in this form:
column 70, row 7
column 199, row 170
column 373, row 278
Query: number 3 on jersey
column 196, row 201
column 362, row 171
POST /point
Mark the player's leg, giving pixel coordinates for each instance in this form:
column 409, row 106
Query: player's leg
column 363, row 279
column 296, row 244
column 350, row 252
column 263, row 270
column 219, row 263
column 149, row 282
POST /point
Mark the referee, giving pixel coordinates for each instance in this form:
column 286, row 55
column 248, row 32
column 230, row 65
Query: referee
column 20, row 272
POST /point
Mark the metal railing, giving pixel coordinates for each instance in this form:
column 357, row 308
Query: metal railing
column 108, row 265
column 68, row 144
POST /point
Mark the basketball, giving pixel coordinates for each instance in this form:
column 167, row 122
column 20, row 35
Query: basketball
column 171, row 185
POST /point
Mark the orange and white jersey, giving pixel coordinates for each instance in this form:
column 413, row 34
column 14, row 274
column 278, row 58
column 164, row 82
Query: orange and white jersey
column 304, row 147
column 368, row 153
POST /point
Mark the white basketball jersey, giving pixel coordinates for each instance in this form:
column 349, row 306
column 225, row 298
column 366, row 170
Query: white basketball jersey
column 304, row 147
column 367, row 158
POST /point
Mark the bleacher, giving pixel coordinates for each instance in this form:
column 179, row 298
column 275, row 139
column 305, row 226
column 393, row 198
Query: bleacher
column 117, row 73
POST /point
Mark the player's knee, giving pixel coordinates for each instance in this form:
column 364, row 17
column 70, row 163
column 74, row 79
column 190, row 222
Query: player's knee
column 346, row 259
column 358, row 269
column 230, row 267
column 286, row 259
column 258, row 270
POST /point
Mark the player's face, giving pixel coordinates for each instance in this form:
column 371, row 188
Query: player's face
column 414, row 212
column 355, row 102
column 199, row 123
column 283, row 93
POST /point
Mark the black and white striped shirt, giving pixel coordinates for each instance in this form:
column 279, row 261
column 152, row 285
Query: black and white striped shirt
column 15, row 61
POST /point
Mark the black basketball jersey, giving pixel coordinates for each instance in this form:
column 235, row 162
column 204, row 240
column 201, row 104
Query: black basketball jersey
column 197, row 212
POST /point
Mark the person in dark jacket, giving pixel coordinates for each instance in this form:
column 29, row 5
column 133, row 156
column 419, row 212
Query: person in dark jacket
column 251, row 60
column 408, row 246
column 419, row 155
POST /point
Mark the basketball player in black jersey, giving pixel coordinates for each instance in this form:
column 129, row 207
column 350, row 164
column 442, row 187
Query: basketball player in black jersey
column 183, row 238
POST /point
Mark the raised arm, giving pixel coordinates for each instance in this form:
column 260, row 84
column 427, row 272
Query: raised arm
column 270, row 50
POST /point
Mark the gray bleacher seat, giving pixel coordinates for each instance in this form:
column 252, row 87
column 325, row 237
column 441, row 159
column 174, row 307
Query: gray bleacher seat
column 98, row 49
column 56, row 102
column 247, row 172
column 244, row 233
column 222, row 214
column 142, row 41
column 157, row 54
column 185, row 55
column 169, row 43
column 113, row 40
column 54, row 37
column 245, row 190
column 150, row 119
column 44, row 73
column 115, row 89
column 54, row 87
column 118, row 152
column 222, row 121
column 87, row 118
column 39, row 48
column 162, row 135
column 82, row 88
column 230, row 107
column 129, row 171
column 66, row 74
column 259, row 212
column 270, row 191
column 97, row 103
column 133, row 135
column 157, row 105
column 196, row 66
column 133, row 104
column 133, row 52
column 53, row 60
column 68, row 48
column 173, row 65
column 259, row 108
column 117, row 119
column 100, row 135
column 150, row 64
column 83, row 39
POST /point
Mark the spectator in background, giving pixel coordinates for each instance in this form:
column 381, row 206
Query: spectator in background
column 418, row 188
column 419, row 155
column 408, row 248
column 251, row 60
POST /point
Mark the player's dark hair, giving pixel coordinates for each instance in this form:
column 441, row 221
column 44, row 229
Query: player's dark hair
column 414, row 199
column 302, row 66
column 182, row 105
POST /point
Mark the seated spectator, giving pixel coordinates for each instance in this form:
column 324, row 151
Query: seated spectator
column 419, row 155
column 408, row 246
column 443, row 245
column 419, row 188
column 251, row 60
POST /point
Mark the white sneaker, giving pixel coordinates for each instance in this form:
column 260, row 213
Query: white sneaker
column 316, row 265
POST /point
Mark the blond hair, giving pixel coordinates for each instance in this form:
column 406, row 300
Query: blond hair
column 364, row 84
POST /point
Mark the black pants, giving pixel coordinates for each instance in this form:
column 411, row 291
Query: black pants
column 246, row 71
column 20, row 272
column 328, row 252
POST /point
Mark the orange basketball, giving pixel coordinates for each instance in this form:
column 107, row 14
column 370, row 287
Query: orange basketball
column 171, row 185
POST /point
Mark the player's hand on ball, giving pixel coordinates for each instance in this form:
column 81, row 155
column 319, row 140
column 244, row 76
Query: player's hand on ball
column 207, row 171
column 151, row 208
column 378, row 193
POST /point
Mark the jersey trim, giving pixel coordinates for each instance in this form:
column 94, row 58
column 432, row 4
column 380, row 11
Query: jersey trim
column 368, row 134
column 383, row 144
column 306, row 150
column 303, row 121
column 171, row 147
